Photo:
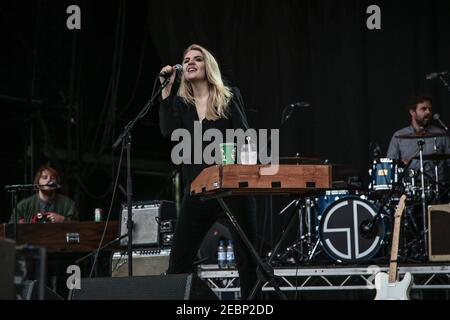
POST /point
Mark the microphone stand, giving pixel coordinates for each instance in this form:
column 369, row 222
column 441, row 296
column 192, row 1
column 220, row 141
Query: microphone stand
column 125, row 139
column 289, row 110
column 101, row 248
column 285, row 116
column 441, row 77
column 13, row 190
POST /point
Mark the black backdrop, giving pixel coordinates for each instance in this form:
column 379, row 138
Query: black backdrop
column 91, row 82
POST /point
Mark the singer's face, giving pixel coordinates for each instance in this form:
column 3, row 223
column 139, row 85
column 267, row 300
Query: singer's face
column 45, row 178
column 194, row 66
column 423, row 113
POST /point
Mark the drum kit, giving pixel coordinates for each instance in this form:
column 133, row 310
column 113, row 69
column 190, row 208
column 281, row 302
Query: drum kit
column 354, row 226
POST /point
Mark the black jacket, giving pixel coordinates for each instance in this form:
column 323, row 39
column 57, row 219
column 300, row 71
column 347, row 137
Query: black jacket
column 174, row 113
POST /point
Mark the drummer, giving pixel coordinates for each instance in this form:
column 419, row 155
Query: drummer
column 404, row 142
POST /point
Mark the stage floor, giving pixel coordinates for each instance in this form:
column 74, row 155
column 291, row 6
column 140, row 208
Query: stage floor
column 329, row 282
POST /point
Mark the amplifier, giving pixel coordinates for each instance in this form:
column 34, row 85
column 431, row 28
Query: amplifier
column 438, row 228
column 7, row 264
column 148, row 219
column 146, row 262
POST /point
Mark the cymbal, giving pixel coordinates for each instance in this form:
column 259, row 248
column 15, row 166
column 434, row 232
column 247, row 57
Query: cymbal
column 434, row 157
column 301, row 158
column 421, row 135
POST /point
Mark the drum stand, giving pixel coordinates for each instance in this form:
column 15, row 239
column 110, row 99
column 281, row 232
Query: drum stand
column 420, row 144
column 305, row 227
column 436, row 169
column 411, row 238
column 309, row 241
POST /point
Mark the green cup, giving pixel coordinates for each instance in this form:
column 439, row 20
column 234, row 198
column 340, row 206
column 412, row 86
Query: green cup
column 228, row 151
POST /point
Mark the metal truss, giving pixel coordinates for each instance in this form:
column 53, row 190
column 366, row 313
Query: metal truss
column 329, row 278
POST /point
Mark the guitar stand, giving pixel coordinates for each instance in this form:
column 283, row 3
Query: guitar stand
column 264, row 270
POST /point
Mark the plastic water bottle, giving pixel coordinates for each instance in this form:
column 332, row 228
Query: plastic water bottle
column 230, row 255
column 221, row 255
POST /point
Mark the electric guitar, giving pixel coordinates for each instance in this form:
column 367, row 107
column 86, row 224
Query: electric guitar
column 388, row 288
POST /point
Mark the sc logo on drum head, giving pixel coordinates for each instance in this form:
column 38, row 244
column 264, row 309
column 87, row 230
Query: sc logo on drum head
column 340, row 234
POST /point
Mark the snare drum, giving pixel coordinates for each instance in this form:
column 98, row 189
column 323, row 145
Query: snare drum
column 339, row 230
column 384, row 174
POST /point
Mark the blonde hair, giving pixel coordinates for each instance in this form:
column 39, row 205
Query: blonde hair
column 219, row 94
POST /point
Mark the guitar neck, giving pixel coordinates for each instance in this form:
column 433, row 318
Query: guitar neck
column 395, row 240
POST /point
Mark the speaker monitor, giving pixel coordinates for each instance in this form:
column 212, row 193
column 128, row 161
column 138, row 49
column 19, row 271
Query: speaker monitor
column 208, row 249
column 145, row 263
column 146, row 219
column 7, row 263
column 438, row 228
column 167, row 287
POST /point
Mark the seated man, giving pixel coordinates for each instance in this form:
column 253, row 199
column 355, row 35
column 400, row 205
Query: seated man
column 46, row 204
column 49, row 206
column 404, row 146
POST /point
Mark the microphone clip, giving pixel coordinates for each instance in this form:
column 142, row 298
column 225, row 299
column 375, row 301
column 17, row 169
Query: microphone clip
column 369, row 228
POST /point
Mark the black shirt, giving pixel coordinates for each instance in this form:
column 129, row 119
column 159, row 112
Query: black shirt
column 174, row 113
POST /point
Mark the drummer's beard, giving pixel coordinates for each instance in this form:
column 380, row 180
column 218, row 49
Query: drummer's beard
column 424, row 122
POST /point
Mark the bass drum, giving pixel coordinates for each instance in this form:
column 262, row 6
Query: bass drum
column 340, row 235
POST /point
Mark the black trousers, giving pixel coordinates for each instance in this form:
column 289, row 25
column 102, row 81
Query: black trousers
column 197, row 217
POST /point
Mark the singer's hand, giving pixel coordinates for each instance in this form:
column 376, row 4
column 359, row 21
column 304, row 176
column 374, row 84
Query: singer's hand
column 167, row 70
column 54, row 217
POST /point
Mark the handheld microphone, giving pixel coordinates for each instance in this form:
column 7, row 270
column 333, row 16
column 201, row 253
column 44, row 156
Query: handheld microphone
column 178, row 69
column 437, row 117
column 301, row 104
column 434, row 75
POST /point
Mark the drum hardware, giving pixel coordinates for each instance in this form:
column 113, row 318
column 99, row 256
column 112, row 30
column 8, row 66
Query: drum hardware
column 304, row 246
column 410, row 186
column 412, row 247
column 416, row 192
column 420, row 144
column 437, row 156
column 367, row 226
column 305, row 238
